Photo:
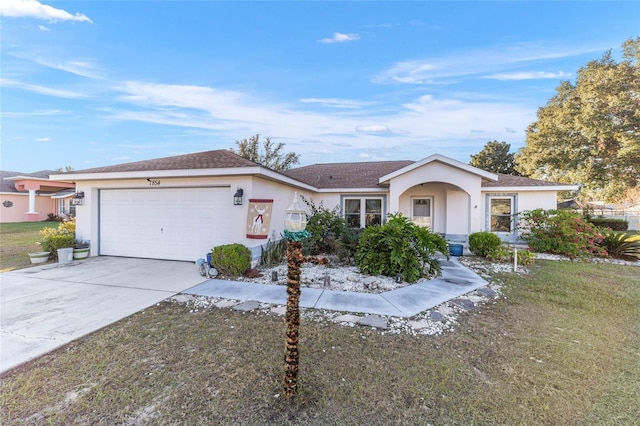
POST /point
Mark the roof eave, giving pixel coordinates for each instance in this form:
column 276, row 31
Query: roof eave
column 182, row 173
column 530, row 188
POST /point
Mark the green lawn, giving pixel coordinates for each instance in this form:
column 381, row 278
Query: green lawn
column 561, row 347
column 17, row 240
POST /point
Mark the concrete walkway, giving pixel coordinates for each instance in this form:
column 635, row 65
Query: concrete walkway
column 455, row 281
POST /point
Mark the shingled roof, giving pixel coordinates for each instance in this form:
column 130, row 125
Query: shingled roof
column 10, row 186
column 217, row 159
column 513, row 181
column 345, row 175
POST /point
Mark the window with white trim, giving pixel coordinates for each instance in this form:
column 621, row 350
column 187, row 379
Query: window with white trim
column 362, row 212
column 422, row 211
column 501, row 214
column 65, row 208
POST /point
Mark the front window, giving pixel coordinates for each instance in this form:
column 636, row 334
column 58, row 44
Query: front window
column 501, row 215
column 362, row 212
column 421, row 211
column 65, row 208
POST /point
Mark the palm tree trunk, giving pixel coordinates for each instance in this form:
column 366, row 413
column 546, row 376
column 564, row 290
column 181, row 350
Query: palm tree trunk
column 292, row 318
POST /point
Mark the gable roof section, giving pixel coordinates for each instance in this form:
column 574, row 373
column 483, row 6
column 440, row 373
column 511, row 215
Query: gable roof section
column 219, row 162
column 218, row 159
column 442, row 159
column 345, row 175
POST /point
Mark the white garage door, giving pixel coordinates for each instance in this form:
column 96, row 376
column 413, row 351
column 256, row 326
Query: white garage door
column 164, row 223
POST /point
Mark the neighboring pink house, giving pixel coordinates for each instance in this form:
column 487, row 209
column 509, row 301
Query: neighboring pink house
column 30, row 197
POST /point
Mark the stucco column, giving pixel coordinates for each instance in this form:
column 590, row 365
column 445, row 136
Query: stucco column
column 32, row 215
column 32, row 201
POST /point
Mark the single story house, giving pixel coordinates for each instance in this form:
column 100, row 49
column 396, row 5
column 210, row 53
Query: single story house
column 180, row 207
column 31, row 197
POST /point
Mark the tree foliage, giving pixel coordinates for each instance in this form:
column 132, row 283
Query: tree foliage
column 495, row 157
column 588, row 132
column 269, row 154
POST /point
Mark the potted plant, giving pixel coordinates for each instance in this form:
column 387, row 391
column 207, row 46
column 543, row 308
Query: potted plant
column 39, row 256
column 80, row 250
column 59, row 241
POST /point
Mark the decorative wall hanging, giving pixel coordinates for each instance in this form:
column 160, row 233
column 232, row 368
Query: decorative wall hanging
column 259, row 218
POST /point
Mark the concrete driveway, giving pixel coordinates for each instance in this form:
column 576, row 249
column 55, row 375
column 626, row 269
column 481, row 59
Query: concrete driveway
column 42, row 308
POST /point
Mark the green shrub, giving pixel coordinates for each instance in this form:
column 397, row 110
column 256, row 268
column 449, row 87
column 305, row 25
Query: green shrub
column 622, row 245
column 61, row 237
column 274, row 253
column 484, row 242
column 505, row 254
column 347, row 244
column 231, row 260
column 561, row 232
column 399, row 247
column 613, row 224
column 325, row 227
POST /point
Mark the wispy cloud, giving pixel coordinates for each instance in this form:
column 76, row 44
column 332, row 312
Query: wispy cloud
column 43, row 28
column 336, row 102
column 43, row 90
column 499, row 62
column 32, row 113
column 81, row 67
column 529, row 75
column 340, row 38
column 44, row 139
column 35, row 9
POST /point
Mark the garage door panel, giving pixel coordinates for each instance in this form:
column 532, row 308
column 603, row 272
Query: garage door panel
column 164, row 223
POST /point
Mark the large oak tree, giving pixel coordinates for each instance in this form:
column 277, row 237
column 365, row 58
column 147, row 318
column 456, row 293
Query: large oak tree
column 588, row 132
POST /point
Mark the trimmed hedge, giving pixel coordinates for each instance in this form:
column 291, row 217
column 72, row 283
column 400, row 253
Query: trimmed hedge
column 613, row 224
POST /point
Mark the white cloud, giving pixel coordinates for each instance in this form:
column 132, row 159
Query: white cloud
column 336, row 102
column 44, row 139
column 373, row 128
column 411, row 130
column 49, row 91
column 43, row 28
column 529, row 75
column 340, row 38
column 37, row 10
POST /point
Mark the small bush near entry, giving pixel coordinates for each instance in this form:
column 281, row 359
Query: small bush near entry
column 482, row 243
column 622, row 245
column 63, row 236
column 231, row 260
column 400, row 247
column 561, row 232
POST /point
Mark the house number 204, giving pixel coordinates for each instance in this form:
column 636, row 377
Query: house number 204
column 154, row 182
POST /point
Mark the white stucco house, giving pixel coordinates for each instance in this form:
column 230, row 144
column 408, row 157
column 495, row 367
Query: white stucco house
column 180, row 207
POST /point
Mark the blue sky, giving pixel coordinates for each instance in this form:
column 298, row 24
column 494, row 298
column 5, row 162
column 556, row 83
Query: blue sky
column 92, row 83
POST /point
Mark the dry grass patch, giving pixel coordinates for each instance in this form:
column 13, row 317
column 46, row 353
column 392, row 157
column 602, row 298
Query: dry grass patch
column 562, row 347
